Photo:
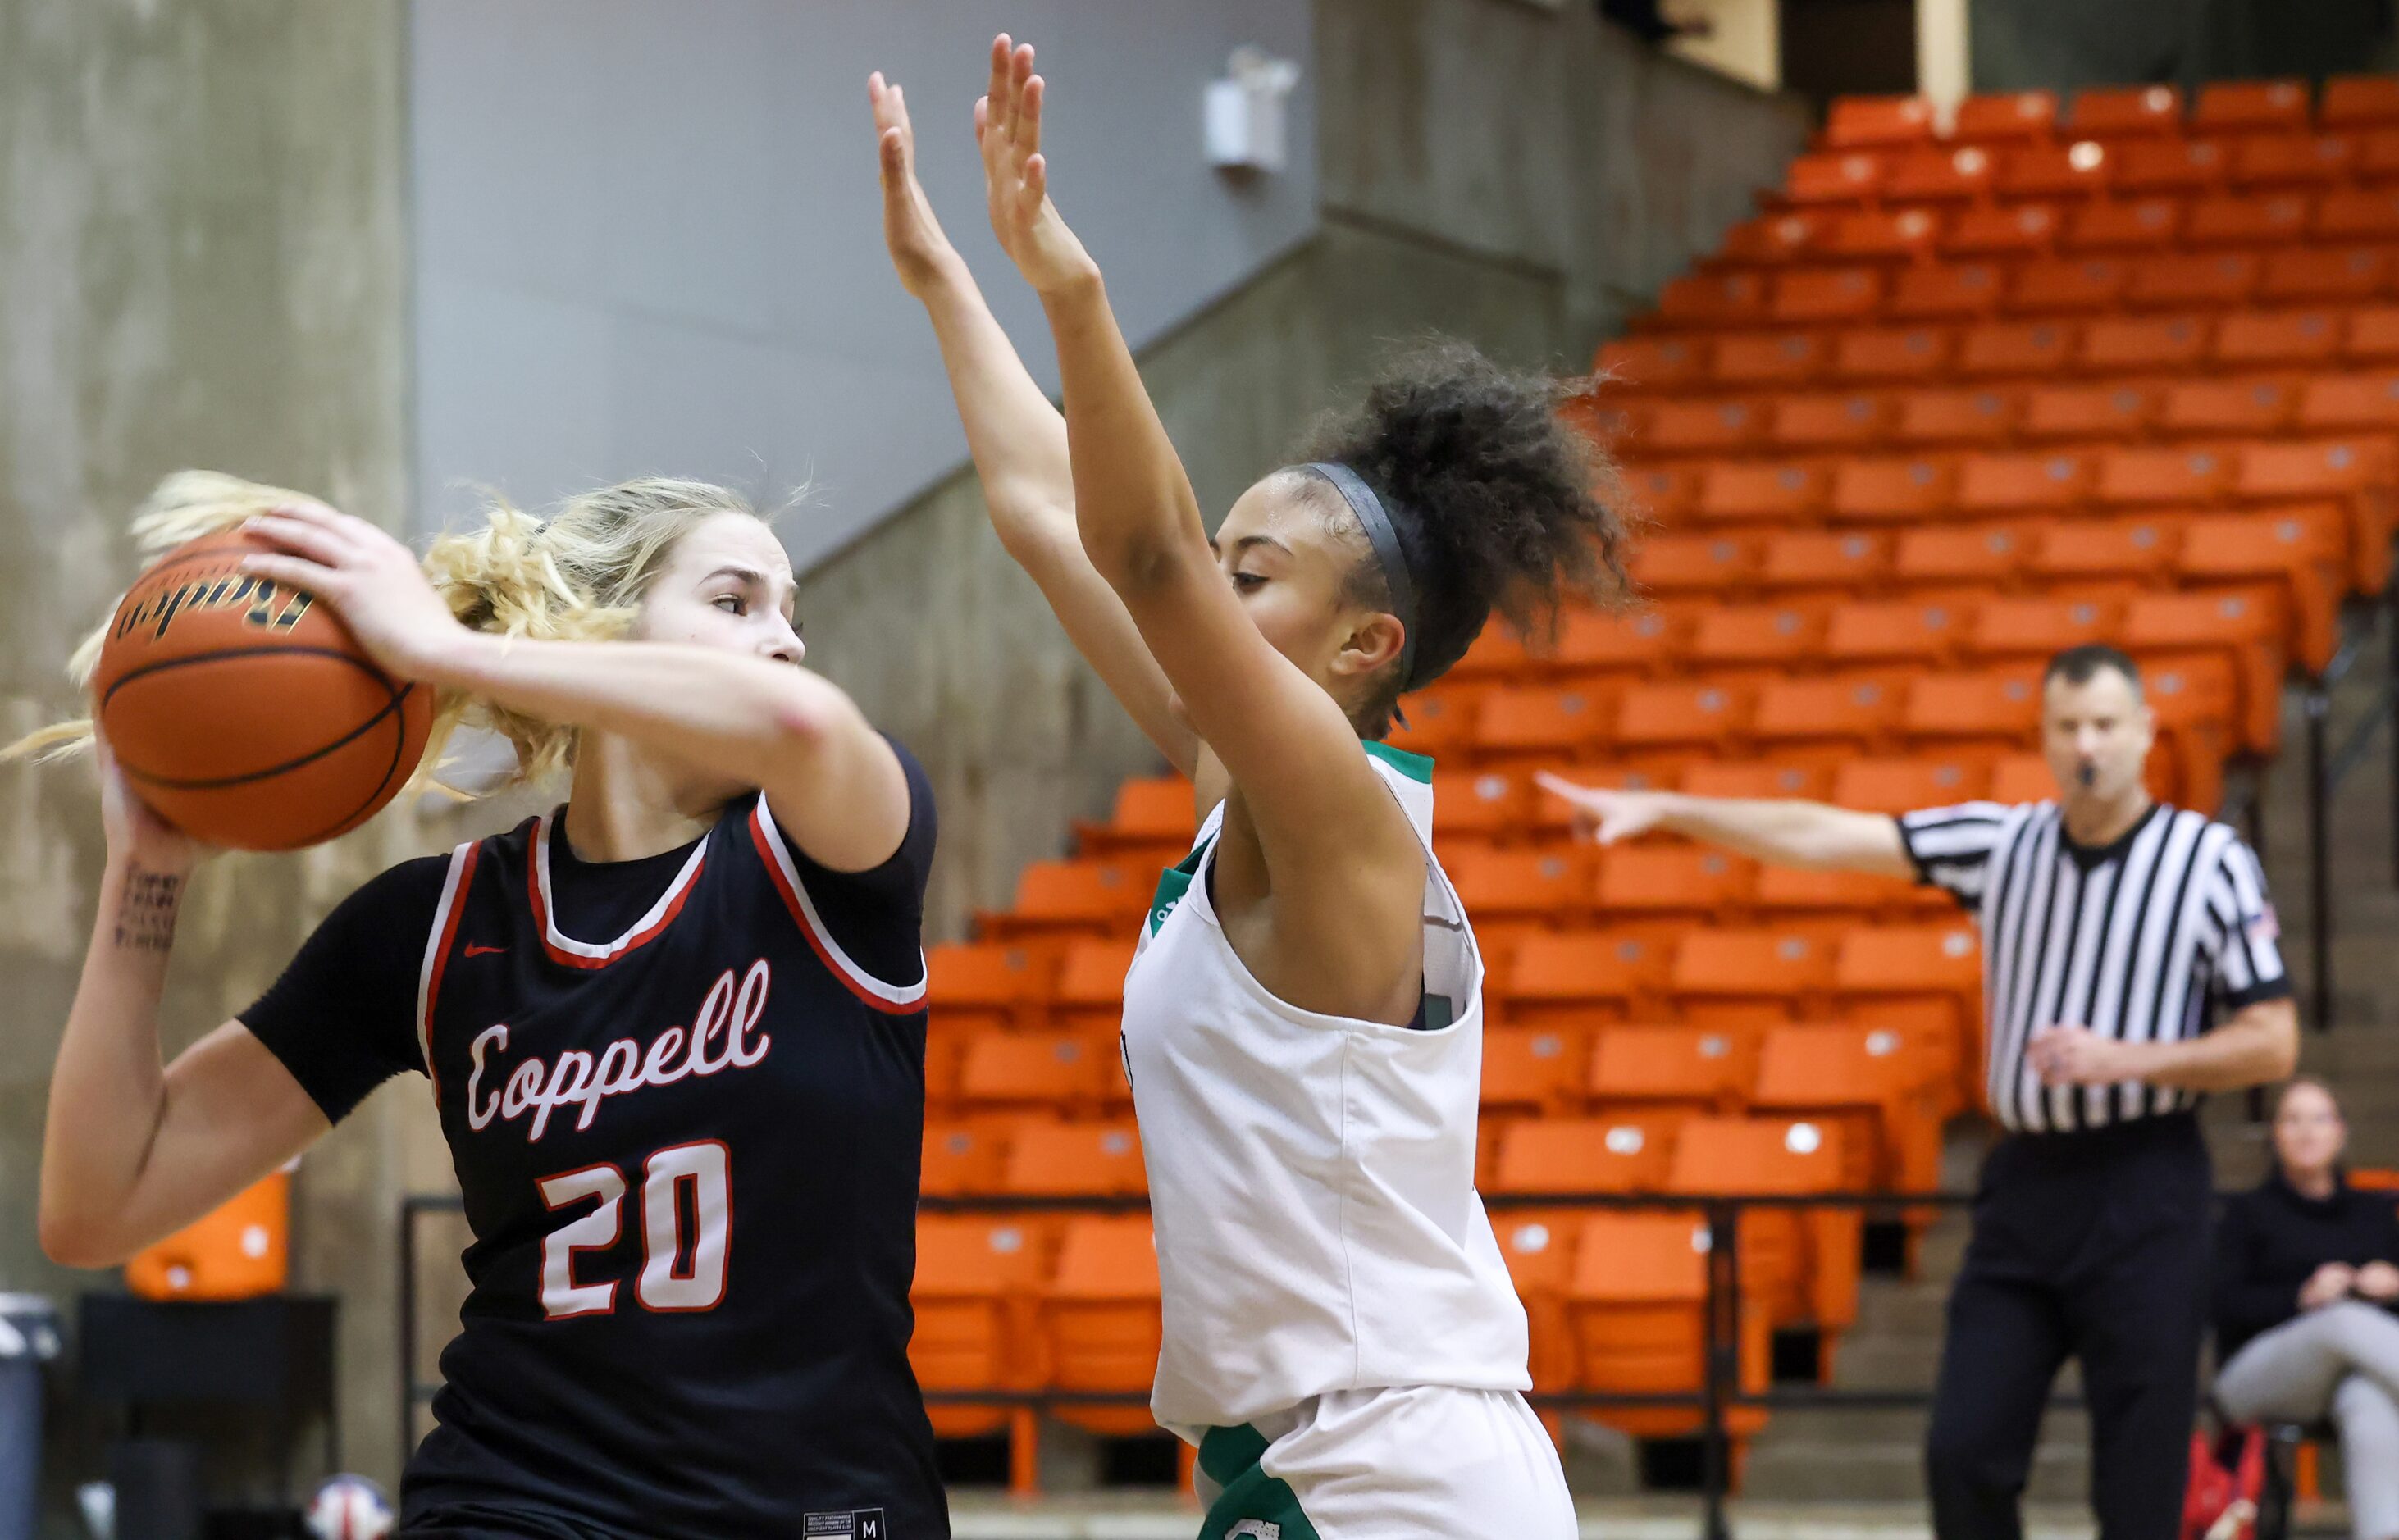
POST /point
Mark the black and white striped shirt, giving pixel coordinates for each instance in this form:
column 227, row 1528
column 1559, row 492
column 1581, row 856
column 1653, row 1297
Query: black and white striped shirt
column 2144, row 941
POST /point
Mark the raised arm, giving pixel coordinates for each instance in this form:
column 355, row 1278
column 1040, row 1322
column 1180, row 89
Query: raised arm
column 1788, row 833
column 1017, row 438
column 135, row 1148
column 834, row 784
column 1313, row 797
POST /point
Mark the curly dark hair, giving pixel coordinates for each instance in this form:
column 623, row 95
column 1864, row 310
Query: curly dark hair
column 1498, row 504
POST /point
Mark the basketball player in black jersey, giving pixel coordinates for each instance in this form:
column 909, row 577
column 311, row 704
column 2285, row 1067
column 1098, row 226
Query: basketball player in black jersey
column 674, row 1030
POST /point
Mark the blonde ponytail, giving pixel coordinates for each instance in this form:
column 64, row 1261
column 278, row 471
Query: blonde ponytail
column 578, row 576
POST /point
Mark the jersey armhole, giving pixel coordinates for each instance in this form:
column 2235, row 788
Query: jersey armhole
column 438, row 940
column 876, row 993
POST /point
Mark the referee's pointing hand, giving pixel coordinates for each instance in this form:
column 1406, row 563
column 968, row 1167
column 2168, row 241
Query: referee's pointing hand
column 2074, row 1055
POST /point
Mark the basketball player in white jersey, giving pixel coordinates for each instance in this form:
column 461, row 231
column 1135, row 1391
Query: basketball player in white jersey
column 1303, row 1022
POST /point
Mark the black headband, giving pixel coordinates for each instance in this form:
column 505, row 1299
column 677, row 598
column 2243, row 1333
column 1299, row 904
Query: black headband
column 1388, row 553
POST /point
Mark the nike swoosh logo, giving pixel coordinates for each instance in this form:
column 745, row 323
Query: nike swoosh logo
column 476, row 949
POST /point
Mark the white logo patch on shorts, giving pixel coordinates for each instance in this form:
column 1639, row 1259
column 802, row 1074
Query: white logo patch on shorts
column 1261, row 1529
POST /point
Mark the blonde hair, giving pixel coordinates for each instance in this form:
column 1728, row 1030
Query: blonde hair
column 578, row 575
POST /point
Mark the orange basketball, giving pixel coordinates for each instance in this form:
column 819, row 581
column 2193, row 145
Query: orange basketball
column 243, row 711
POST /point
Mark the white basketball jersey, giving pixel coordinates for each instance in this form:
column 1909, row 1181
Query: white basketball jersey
column 1311, row 1177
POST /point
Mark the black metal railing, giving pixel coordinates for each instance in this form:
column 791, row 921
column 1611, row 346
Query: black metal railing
column 1718, row 1395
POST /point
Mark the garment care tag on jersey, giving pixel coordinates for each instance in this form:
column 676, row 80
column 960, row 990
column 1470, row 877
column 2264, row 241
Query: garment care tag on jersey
column 857, row 1524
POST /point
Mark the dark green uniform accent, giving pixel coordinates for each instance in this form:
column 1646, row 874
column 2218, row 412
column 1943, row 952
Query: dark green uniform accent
column 1230, row 1456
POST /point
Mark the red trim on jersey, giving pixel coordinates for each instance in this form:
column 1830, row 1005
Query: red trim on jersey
column 536, row 880
column 456, row 899
column 840, row 967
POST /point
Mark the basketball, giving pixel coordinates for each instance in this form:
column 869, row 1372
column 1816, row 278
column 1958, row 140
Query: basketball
column 243, row 711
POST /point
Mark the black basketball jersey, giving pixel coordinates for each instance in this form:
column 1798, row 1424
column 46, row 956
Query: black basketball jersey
column 689, row 1159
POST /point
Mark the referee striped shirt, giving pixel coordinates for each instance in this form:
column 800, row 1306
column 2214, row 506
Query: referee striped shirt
column 2147, row 940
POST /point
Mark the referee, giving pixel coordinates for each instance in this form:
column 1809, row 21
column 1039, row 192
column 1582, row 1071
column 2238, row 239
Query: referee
column 2129, row 966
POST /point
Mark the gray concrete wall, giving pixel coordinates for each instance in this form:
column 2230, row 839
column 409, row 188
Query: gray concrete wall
column 201, row 247
column 1513, row 175
column 650, row 235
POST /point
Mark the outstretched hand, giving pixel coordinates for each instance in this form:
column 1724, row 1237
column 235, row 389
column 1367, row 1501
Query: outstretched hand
column 1016, row 177
column 917, row 246
column 1604, row 816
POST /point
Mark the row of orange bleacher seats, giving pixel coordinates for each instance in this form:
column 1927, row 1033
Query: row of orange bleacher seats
column 2312, row 247
column 1567, row 1108
column 2102, row 348
column 2337, row 281
column 2105, row 113
column 2004, row 415
column 1040, row 1302
column 2340, row 164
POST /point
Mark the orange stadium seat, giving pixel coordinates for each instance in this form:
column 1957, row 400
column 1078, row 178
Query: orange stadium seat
column 1583, row 978
column 2303, row 555
column 1987, row 553
column 1844, row 716
column 1592, row 642
column 1878, row 122
column 987, row 984
column 1940, row 175
column 1550, row 887
column 1652, row 363
column 964, row 1157
column 1702, row 427
column 1075, row 1160
column 1534, row 1069
column 1034, row 1071
column 1849, row 558
column 1542, row 724
column 2074, row 169
column 1947, row 291
column 2145, row 477
column 1803, row 1263
column 977, row 1280
column 2008, row 230
column 1820, row 294
column 2033, row 626
column 1694, row 563
column 2351, row 214
column 2359, row 100
column 2251, row 107
column 1713, row 299
column 2292, row 159
column 1772, row 239
column 1996, row 706
column 2140, row 224
column 1646, row 882
column 2268, row 338
column 2323, row 274
column 1904, row 630
column 1748, row 358
column 1903, row 785
column 2231, row 220
column 2169, row 166
column 2159, row 344
column 1152, row 813
column 2246, row 625
column 1753, row 779
column 1833, row 177
column 2118, row 410
column 1636, row 1308
column 1750, row 976
column 1739, row 636
column 1835, row 1072
column 2356, row 473
column 2191, row 279
column 1880, row 490
column 2221, row 407
column 1480, row 806
column 2003, row 349
column 2004, row 116
column 1961, row 417
column 1629, row 1153
column 1063, row 898
column 1899, row 355
column 1808, row 422
column 2069, row 286
column 2350, row 403
column 1090, row 985
column 1701, row 1070
column 2009, row 483
column 1749, row 493
column 1687, row 715
column 1100, row 1321
column 2115, row 112
column 1789, row 896
column 1885, row 235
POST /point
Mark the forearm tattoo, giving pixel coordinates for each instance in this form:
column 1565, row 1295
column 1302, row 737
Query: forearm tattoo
column 146, row 912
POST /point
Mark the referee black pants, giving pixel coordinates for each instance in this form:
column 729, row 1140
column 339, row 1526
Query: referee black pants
column 2092, row 1246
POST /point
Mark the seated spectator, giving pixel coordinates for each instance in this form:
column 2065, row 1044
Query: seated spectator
column 2307, row 1274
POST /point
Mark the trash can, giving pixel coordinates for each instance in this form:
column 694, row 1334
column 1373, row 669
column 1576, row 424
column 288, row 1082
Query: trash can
column 29, row 1338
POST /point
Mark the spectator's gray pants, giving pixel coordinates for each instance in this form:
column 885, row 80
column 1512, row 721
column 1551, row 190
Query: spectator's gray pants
column 2341, row 1364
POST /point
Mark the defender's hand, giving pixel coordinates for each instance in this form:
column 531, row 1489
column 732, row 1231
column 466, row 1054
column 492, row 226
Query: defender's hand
column 1016, row 177
column 910, row 233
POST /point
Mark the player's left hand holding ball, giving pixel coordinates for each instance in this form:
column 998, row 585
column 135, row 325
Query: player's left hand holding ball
column 371, row 580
